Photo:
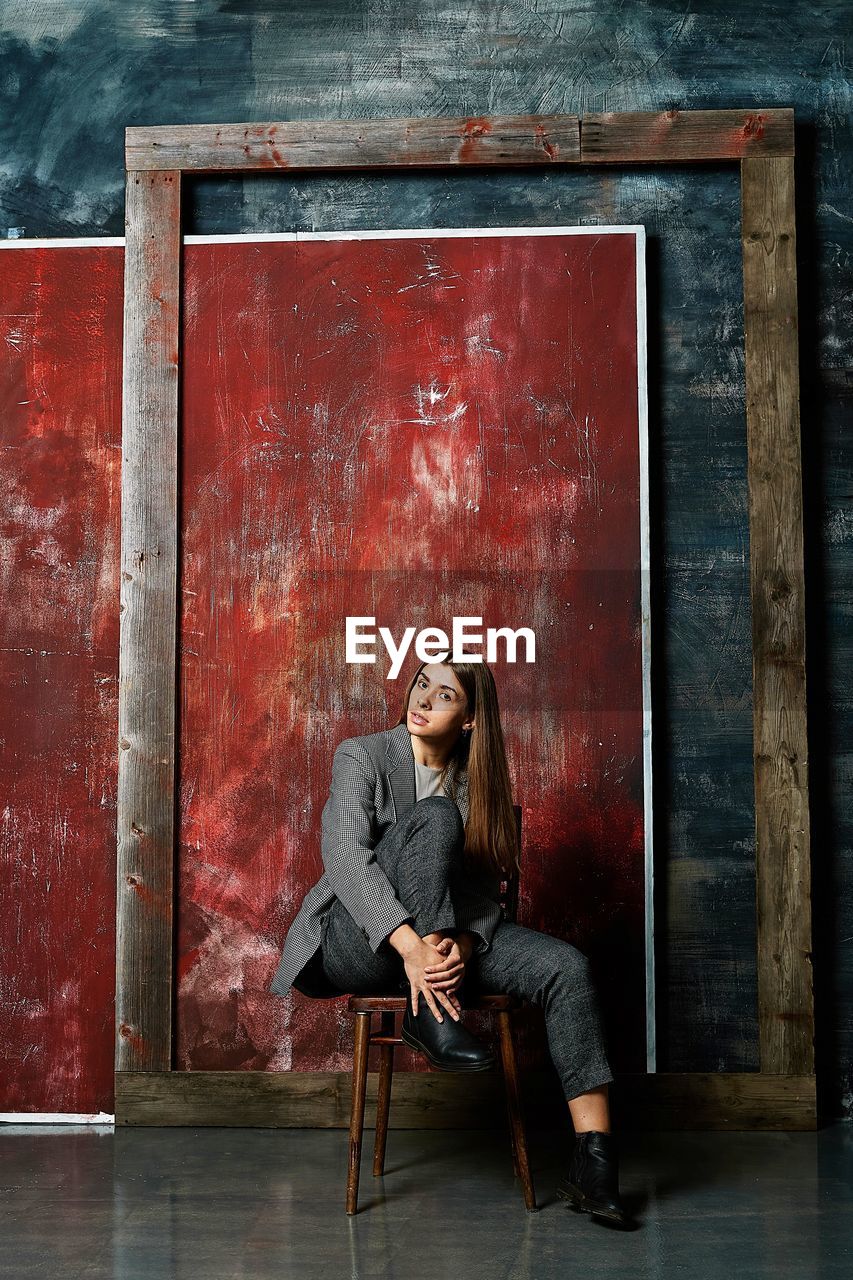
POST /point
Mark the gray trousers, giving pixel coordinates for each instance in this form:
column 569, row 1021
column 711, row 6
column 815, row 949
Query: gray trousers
column 422, row 857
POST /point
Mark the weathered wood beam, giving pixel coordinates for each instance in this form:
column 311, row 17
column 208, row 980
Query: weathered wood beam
column 782, row 857
column 667, row 137
column 147, row 630
column 301, row 145
column 443, row 1100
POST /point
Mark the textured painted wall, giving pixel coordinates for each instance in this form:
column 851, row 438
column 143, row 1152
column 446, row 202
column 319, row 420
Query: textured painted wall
column 75, row 75
column 411, row 430
column 60, row 496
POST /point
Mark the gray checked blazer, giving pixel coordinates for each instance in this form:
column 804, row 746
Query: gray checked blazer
column 373, row 787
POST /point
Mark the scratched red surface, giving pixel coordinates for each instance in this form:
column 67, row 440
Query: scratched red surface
column 411, row 429
column 60, row 495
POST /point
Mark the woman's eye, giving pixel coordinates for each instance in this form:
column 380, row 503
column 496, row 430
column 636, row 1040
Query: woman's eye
column 423, row 685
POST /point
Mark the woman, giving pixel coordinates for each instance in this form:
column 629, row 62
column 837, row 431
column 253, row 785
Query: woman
column 416, row 834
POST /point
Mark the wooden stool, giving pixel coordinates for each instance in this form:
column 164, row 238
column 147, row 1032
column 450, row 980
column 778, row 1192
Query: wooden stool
column 387, row 1007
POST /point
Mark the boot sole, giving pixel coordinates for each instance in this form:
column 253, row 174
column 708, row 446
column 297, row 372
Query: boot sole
column 443, row 1066
column 576, row 1198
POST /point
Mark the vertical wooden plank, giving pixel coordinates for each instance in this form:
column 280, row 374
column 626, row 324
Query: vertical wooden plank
column 783, row 889
column 147, row 639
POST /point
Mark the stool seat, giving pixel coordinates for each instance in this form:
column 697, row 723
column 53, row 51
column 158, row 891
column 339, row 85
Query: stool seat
column 398, row 1003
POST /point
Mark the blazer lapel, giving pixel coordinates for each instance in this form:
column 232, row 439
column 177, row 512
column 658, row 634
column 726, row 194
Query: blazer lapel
column 401, row 774
column 401, row 769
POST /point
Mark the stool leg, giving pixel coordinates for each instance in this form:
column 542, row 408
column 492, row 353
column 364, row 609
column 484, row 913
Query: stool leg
column 515, row 1166
column 383, row 1093
column 519, row 1138
column 516, row 1169
column 359, row 1091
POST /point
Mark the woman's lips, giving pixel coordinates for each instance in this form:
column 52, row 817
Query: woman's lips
column 418, row 719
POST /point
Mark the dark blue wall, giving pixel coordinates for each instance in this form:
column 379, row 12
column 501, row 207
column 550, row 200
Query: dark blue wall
column 73, row 75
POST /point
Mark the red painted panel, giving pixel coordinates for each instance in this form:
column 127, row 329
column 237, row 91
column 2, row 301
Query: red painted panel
column 410, row 429
column 60, row 475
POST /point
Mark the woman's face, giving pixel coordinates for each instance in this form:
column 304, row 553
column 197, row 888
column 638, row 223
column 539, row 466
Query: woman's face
column 438, row 707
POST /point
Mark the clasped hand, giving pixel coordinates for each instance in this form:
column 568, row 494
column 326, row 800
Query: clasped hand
column 437, row 980
column 448, row 973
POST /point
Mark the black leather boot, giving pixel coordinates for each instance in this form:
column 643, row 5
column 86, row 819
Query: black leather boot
column 591, row 1184
column 448, row 1044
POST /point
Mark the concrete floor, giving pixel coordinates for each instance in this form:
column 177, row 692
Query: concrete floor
column 222, row 1203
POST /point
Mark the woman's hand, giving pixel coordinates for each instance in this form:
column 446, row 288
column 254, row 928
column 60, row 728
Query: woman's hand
column 415, row 962
column 447, row 974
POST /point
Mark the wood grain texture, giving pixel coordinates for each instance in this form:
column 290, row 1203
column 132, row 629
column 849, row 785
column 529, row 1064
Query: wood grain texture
column 639, row 137
column 668, row 137
column 725, row 1101
column 783, row 873
column 447, row 1100
column 300, row 145
column 147, row 667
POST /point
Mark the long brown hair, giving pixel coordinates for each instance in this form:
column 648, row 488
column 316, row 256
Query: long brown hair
column 491, row 836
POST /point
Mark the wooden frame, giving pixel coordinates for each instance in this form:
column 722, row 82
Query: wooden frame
column 782, row 1093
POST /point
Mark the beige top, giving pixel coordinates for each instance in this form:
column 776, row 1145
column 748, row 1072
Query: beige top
column 426, row 781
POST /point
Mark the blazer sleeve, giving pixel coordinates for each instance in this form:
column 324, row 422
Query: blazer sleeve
column 347, row 847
